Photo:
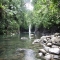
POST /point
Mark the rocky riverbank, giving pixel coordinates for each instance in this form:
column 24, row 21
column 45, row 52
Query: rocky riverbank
column 50, row 47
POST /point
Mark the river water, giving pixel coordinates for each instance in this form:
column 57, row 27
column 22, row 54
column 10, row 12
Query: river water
column 10, row 45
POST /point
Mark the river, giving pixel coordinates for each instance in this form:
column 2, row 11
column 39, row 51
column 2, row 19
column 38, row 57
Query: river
column 9, row 46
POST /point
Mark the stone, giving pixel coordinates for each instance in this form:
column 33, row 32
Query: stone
column 54, row 40
column 40, row 54
column 48, row 56
column 24, row 38
column 20, row 50
column 54, row 46
column 49, row 44
column 46, row 48
column 36, row 41
column 54, row 50
column 55, row 56
column 42, row 50
column 56, row 34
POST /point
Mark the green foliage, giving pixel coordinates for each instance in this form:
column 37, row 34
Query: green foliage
column 13, row 14
column 46, row 13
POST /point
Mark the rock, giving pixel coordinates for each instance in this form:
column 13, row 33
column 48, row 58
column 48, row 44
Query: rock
column 45, row 40
column 48, row 56
column 32, row 34
column 42, row 50
column 40, row 54
column 55, row 56
column 48, row 37
column 20, row 50
column 52, row 36
column 46, row 48
column 36, row 41
column 59, row 37
column 54, row 39
column 54, row 46
column 54, row 50
column 24, row 38
column 43, row 37
column 51, row 47
column 49, row 44
column 56, row 34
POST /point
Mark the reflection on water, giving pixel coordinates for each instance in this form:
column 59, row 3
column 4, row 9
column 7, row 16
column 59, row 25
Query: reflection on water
column 29, row 55
column 9, row 45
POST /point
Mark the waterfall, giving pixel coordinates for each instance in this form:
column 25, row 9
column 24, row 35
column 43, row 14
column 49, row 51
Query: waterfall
column 30, row 31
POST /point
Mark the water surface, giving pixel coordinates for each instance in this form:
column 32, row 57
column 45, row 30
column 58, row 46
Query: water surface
column 9, row 45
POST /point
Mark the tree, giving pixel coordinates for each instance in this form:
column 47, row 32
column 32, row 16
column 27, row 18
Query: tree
column 11, row 14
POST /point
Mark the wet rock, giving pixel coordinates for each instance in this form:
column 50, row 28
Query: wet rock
column 42, row 50
column 45, row 39
column 36, row 41
column 46, row 48
column 59, row 37
column 54, row 50
column 40, row 54
column 56, row 34
column 54, row 39
column 20, row 50
column 48, row 37
column 52, row 36
column 54, row 46
column 55, row 56
column 48, row 56
column 50, row 47
column 49, row 44
column 24, row 38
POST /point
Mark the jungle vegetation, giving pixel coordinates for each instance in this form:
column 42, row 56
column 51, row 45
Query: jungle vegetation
column 15, row 17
